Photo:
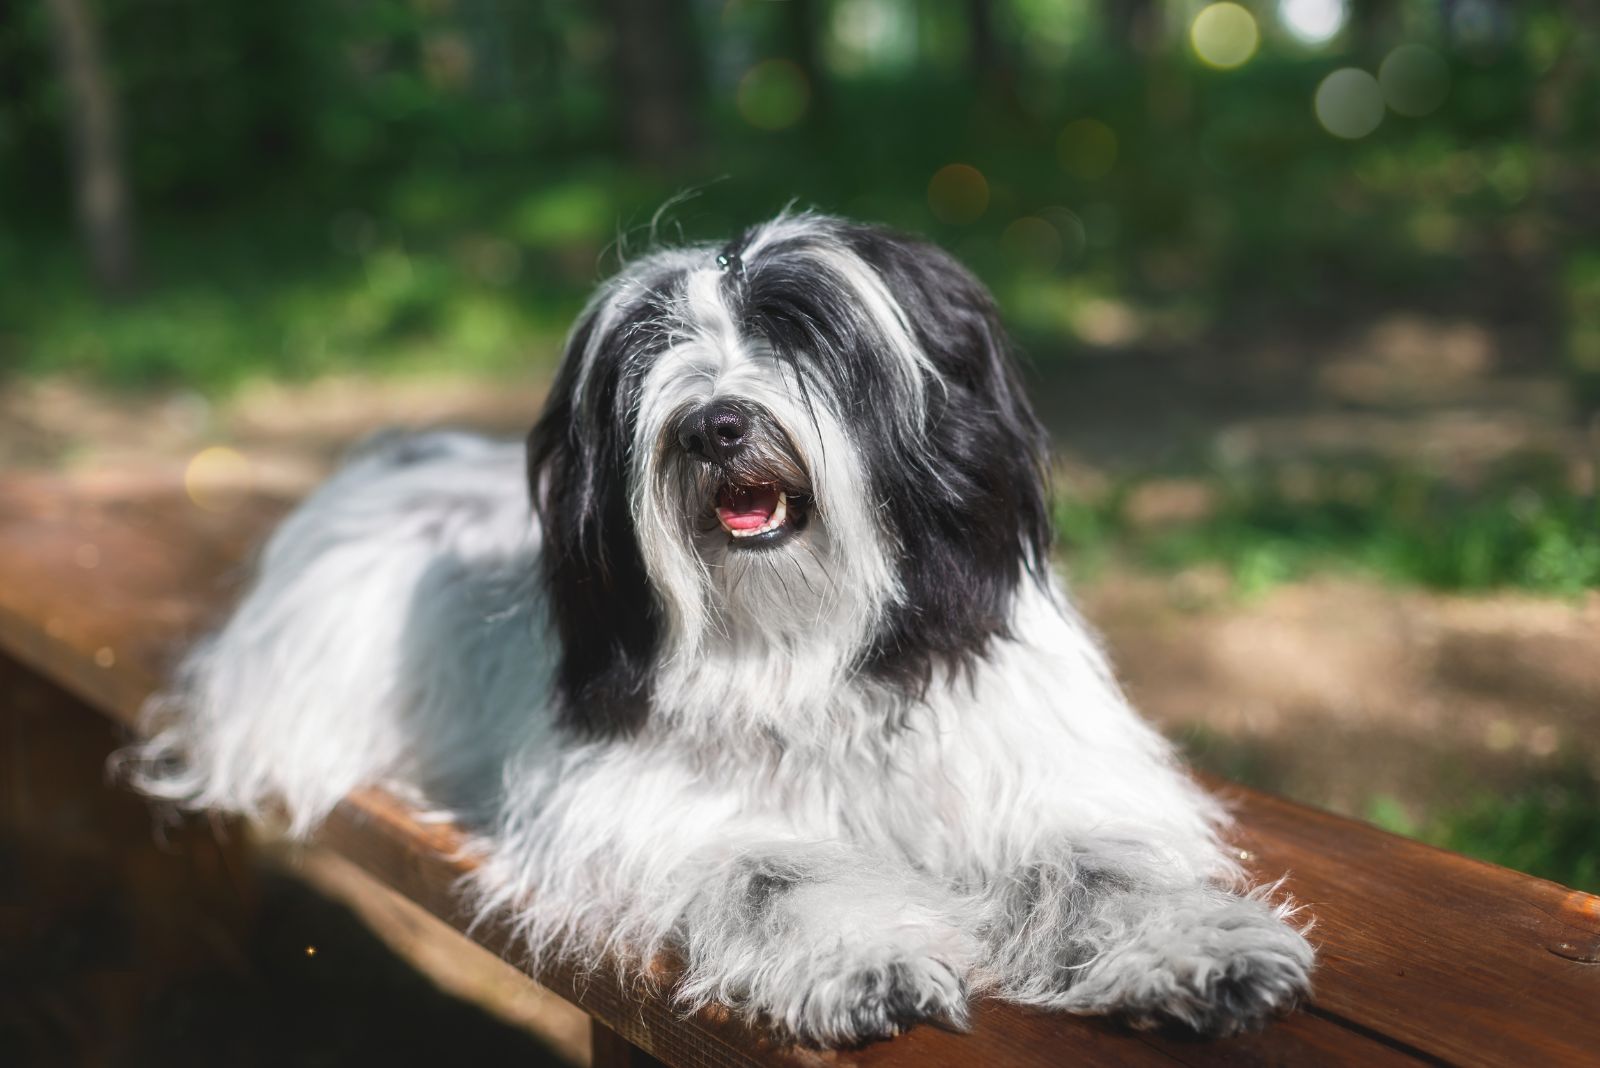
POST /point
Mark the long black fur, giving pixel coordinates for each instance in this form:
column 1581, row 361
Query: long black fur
column 599, row 595
column 954, row 507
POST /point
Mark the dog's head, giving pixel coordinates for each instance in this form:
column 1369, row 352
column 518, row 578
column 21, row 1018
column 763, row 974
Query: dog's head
column 773, row 467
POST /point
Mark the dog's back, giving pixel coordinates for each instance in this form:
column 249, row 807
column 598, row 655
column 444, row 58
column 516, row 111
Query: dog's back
column 392, row 622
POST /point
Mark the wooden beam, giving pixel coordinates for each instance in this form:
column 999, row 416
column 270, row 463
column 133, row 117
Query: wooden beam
column 611, row 1050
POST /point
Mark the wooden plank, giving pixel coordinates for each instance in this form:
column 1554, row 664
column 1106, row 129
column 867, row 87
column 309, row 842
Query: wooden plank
column 611, row 1050
column 100, row 584
column 1426, row 956
column 423, row 862
column 1464, row 960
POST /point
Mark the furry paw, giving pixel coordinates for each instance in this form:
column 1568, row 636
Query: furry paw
column 865, row 1004
column 1216, row 968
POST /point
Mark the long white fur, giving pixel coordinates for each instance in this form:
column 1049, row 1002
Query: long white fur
column 1023, row 832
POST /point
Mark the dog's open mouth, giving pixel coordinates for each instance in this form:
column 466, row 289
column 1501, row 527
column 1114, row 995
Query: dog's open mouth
column 759, row 514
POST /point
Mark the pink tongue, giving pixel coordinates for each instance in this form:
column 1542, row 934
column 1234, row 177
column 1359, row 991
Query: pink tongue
column 746, row 507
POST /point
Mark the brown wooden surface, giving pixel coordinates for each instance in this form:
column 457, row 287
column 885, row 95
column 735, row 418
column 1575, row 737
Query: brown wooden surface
column 611, row 1050
column 1426, row 957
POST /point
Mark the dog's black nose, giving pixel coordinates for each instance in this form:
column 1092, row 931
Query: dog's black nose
column 716, row 432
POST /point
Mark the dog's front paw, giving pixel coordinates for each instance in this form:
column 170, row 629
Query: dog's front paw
column 1216, row 968
column 1232, row 993
column 858, row 1003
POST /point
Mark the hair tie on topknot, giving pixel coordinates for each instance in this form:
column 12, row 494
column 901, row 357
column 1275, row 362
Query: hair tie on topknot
column 730, row 261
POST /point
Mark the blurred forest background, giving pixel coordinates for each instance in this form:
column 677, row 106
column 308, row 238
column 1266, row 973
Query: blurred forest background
column 1309, row 292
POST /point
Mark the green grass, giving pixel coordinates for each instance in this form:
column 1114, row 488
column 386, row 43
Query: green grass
column 307, row 300
column 1523, row 527
column 465, row 238
column 1550, row 829
column 1549, row 826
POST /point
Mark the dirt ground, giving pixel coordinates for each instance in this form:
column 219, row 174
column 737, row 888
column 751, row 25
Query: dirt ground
column 1337, row 692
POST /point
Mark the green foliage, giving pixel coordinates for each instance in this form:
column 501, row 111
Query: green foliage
column 1194, row 196
column 1551, row 829
column 1582, row 285
column 1231, row 757
column 1089, row 528
column 1549, row 826
column 1522, row 527
column 243, row 312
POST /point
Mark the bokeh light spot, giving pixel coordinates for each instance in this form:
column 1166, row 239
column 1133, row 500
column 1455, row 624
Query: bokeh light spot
column 1032, row 242
column 1087, row 148
column 447, row 60
column 1104, row 322
column 872, row 35
column 773, row 95
column 1414, row 80
column 1313, row 21
column 1074, row 235
column 1349, row 103
column 958, row 193
column 1224, row 36
column 217, row 478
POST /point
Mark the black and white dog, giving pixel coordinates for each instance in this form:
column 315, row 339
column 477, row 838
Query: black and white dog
column 776, row 675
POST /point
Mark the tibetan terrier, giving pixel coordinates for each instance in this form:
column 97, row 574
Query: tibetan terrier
column 774, row 675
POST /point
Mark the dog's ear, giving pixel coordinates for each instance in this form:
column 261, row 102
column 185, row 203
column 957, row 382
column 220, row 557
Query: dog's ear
column 972, row 520
column 595, row 583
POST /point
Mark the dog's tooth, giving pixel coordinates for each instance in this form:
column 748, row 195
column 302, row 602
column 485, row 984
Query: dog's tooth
column 774, row 521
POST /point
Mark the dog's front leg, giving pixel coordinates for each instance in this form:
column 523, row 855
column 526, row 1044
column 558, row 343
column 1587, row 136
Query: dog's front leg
column 827, row 943
column 1116, row 927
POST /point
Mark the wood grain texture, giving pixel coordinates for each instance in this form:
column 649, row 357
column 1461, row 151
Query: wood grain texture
column 611, row 1050
column 1426, row 957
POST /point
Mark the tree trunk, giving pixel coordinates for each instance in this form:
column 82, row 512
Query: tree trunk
column 1133, row 25
column 1375, row 27
column 104, row 211
column 801, row 30
column 1564, row 269
column 984, row 57
column 653, row 51
column 991, row 58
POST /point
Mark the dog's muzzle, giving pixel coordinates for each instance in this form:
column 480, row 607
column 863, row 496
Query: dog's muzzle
column 753, row 501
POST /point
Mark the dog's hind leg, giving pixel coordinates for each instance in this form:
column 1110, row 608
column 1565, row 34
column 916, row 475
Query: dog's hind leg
column 390, row 635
